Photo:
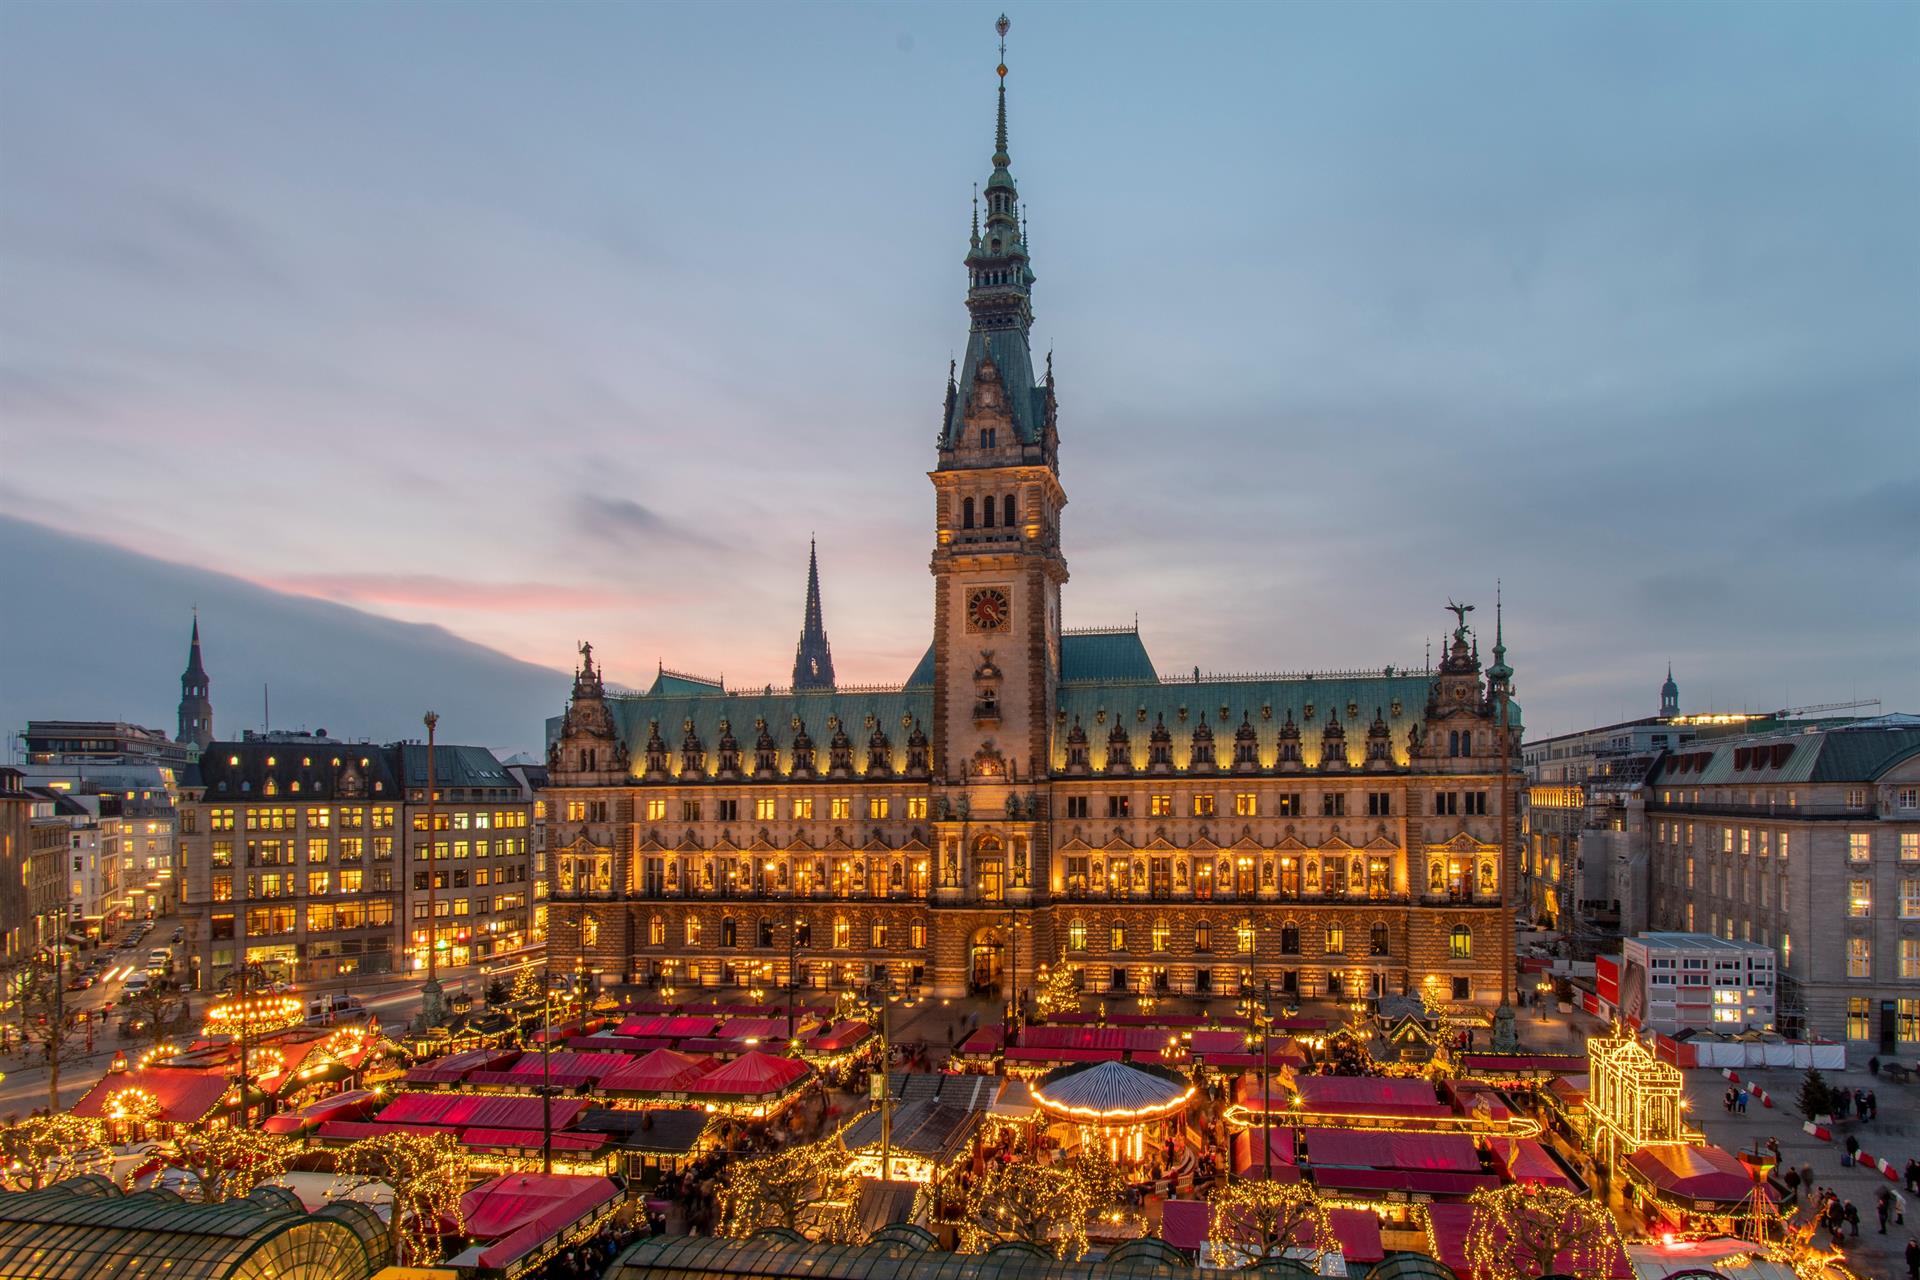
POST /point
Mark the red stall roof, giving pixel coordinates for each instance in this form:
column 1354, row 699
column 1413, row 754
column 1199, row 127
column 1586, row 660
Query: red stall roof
column 985, row 1040
column 1184, row 1224
column 1413, row 1181
column 1248, row 1157
column 531, row 1140
column 462, row 1110
column 351, row 1105
column 185, row 1094
column 1525, row 1160
column 754, row 1074
column 1036, row 1053
column 591, row 1065
column 753, row 1029
column 1375, row 1149
column 1370, row 1095
column 662, row 1071
column 1703, row 1172
column 454, row 1067
column 843, row 1036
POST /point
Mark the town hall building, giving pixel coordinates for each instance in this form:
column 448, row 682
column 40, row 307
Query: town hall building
column 1032, row 793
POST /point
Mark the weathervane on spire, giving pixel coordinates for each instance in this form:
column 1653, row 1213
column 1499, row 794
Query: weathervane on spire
column 1001, row 26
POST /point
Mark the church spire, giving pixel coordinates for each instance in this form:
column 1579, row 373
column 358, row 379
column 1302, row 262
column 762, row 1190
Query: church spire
column 196, row 706
column 813, row 656
column 1500, row 674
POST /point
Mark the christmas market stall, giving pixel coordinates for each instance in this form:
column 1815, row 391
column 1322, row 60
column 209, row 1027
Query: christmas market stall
column 515, row 1222
column 660, row 1078
column 1126, row 1111
column 754, row 1086
column 1693, row 1185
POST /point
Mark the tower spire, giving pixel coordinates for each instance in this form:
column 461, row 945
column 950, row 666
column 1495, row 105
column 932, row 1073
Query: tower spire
column 813, row 656
column 999, row 298
column 196, row 705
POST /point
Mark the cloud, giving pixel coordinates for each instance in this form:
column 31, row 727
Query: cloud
column 631, row 525
column 420, row 590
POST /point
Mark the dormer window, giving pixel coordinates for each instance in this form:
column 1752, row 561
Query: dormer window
column 987, row 435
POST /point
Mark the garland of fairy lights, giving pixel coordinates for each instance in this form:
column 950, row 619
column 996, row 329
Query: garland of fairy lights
column 1258, row 1219
column 1059, row 990
column 229, row 1163
column 43, row 1149
column 428, row 1175
column 1046, row 1205
column 1519, row 1230
column 808, row 1188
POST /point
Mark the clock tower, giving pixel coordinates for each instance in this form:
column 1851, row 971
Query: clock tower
column 997, row 569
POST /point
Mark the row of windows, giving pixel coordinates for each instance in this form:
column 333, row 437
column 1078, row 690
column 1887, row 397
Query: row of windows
column 1246, row 804
column 287, row 817
column 478, row 905
column 462, row 820
column 879, row 933
column 1860, row 1019
column 1160, row 937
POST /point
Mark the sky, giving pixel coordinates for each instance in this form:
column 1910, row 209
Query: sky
column 541, row 323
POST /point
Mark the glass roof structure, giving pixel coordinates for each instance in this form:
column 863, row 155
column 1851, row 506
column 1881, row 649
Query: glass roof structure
column 906, row 1253
column 85, row 1228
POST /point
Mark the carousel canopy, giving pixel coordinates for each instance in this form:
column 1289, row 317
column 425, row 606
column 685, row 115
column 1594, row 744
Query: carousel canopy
column 1113, row 1092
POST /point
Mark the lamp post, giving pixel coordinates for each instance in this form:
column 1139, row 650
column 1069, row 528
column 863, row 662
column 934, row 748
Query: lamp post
column 1265, row 1024
column 546, row 1069
column 793, row 971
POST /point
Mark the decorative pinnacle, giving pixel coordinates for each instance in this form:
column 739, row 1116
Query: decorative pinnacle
column 976, row 214
column 1000, row 132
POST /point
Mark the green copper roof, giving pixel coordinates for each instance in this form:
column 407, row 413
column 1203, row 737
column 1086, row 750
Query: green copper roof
column 669, row 683
column 1092, row 656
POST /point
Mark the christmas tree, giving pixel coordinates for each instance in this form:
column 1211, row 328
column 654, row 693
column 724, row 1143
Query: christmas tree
column 1060, row 992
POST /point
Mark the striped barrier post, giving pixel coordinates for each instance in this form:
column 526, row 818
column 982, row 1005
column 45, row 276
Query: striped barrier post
column 1819, row 1131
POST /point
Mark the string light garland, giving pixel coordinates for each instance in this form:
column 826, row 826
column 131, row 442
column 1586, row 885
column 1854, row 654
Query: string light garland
column 809, row 1189
column 44, row 1149
column 132, row 1105
column 257, row 1014
column 229, row 1163
column 1044, row 1205
column 428, row 1174
column 1522, row 1229
column 1257, row 1220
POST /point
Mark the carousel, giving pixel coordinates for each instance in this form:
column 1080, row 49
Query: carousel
column 1127, row 1111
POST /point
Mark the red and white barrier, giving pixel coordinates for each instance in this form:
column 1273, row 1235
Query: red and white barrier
column 1819, row 1131
column 1874, row 1162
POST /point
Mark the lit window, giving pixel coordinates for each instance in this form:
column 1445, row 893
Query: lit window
column 1859, row 958
column 1909, row 898
column 656, row 810
column 765, row 809
column 1117, row 936
column 803, row 808
column 1077, row 935
column 1160, row 806
column 917, row 808
column 1162, row 934
column 1460, row 943
column 1246, row 804
column 1859, row 898
column 693, row 931
column 1203, row 805
column 1859, row 846
column 1910, row 957
column 1336, row 939
column 878, row 807
column 841, row 808
column 1910, row 846
column 1858, row 1008
column 1243, row 936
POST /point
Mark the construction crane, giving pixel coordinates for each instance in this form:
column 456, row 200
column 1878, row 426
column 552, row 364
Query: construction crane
column 1784, row 712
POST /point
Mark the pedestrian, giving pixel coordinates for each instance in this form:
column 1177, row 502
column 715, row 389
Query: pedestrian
column 1726, row 1100
column 1913, row 1175
column 1792, row 1179
column 1883, row 1208
column 1873, row 1065
column 1806, row 1174
column 1743, row 1102
column 1913, row 1258
column 1773, row 1148
column 1853, row 1150
column 1853, row 1219
column 1873, row 1105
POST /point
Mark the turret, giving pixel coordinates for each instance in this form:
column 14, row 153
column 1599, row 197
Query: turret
column 196, row 706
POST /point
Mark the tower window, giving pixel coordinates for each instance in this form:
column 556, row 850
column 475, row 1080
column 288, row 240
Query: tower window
column 989, row 506
column 966, row 513
column 1007, row 510
column 987, row 436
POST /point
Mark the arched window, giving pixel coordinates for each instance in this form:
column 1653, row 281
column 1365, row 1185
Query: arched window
column 1336, row 939
column 1007, row 511
column 765, row 933
column 693, row 931
column 1077, row 935
column 1377, row 942
column 657, row 931
column 1460, row 943
column 1243, row 936
column 988, row 521
column 1162, row 935
column 1203, row 936
column 966, row 514
column 729, row 932
column 1290, row 939
column 590, row 931
column 842, row 933
column 1117, row 936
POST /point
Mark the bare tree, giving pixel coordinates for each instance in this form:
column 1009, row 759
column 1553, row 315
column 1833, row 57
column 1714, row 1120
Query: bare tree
column 155, row 1013
column 1523, row 1229
column 46, row 1024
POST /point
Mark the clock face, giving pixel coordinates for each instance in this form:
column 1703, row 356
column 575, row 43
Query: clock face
column 987, row 610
